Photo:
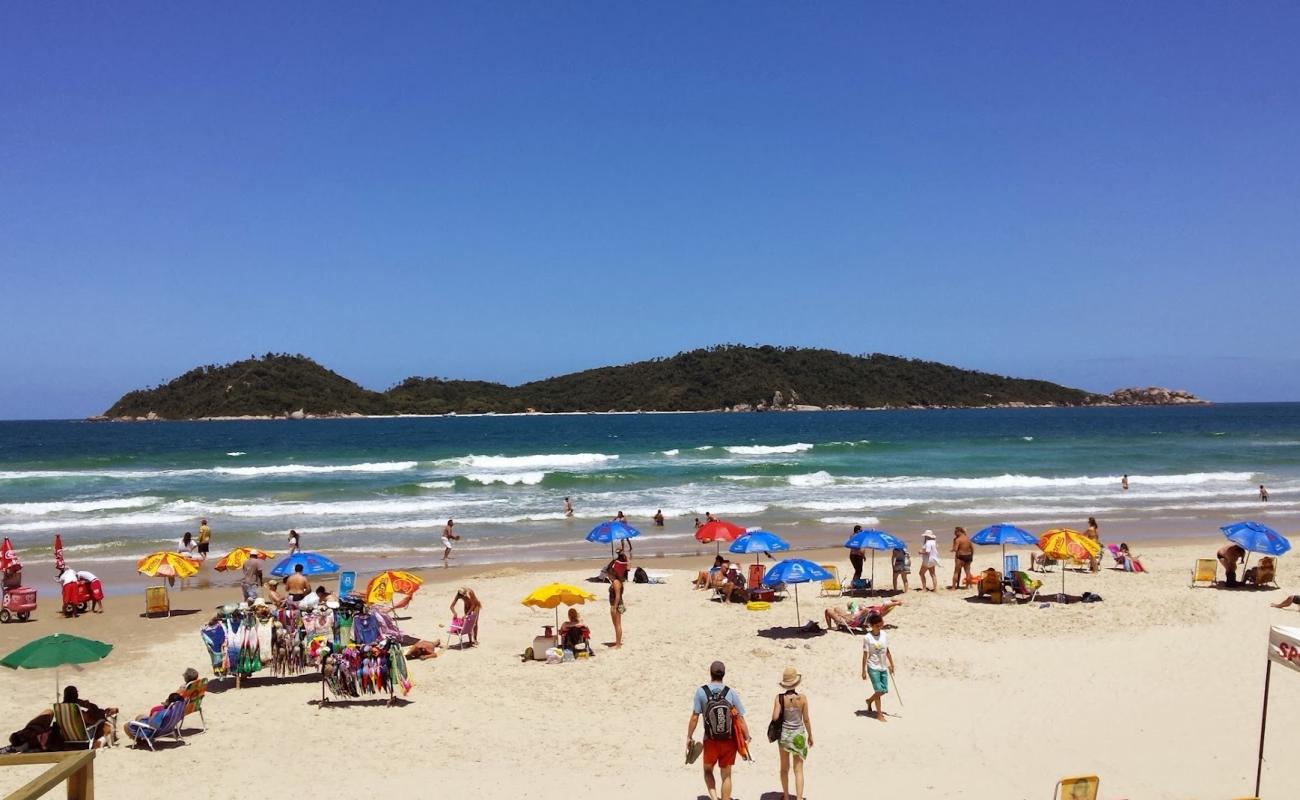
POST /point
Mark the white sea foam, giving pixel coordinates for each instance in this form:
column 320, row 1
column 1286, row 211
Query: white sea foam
column 438, row 485
column 237, row 454
column 849, row 520
column 812, row 480
column 77, row 506
column 830, row 505
column 742, row 477
column 1027, row 438
column 157, row 518
column 767, row 450
column 358, row 508
column 312, row 469
column 535, row 462
column 1034, row 481
column 672, row 452
column 507, row 478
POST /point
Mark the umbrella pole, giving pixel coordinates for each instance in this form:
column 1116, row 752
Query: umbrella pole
column 797, row 615
column 873, row 574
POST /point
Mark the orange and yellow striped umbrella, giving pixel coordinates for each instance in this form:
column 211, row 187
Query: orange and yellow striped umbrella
column 236, row 558
column 167, row 565
column 383, row 586
column 1064, row 544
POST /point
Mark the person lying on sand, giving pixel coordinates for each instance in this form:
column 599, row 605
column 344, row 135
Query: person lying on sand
column 838, row 616
column 1293, row 600
column 423, row 649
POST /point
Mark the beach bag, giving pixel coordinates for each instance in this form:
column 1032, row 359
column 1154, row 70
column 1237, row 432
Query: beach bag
column 717, row 715
column 774, row 727
column 860, row 585
column 640, row 576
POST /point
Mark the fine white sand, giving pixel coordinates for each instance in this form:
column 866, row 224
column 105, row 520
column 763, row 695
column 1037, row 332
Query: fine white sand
column 1157, row 690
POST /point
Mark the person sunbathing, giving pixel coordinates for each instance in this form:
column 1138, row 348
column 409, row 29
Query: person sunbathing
column 423, row 649
column 732, row 585
column 705, row 578
column 189, row 676
column 97, row 720
column 572, row 631
column 839, row 616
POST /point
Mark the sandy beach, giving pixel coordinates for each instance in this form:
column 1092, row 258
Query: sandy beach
column 1157, row 689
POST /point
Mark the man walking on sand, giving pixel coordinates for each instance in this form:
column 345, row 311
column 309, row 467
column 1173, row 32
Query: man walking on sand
column 715, row 701
column 963, row 555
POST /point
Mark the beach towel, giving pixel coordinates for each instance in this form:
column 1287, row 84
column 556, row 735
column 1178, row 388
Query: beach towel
column 794, row 741
column 742, row 734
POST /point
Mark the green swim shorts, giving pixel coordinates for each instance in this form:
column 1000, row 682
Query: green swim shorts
column 879, row 680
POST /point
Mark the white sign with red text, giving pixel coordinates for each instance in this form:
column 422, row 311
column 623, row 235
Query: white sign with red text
column 1284, row 646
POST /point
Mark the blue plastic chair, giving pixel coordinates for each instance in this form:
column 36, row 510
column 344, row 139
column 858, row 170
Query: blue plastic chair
column 1010, row 566
column 347, row 582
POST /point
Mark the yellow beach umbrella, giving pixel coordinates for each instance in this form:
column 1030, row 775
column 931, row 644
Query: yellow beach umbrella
column 166, row 565
column 236, row 558
column 552, row 595
column 383, row 586
column 1064, row 544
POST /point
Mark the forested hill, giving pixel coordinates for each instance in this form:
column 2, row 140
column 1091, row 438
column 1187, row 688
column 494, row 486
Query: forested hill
column 727, row 377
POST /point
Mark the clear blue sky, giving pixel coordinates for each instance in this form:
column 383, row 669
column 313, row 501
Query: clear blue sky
column 1102, row 195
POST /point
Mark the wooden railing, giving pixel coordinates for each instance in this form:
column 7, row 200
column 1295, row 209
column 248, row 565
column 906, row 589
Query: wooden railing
column 77, row 768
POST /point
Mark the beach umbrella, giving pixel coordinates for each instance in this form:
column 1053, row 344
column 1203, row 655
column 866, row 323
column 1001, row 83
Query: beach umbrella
column 1256, row 538
column 759, row 542
column 1004, row 533
column 795, row 571
column 59, row 563
column 1063, row 544
column 386, row 585
column 553, row 595
column 611, row 532
column 235, row 558
column 312, row 564
column 719, row 531
column 56, row 651
column 874, row 540
column 9, row 556
column 167, row 565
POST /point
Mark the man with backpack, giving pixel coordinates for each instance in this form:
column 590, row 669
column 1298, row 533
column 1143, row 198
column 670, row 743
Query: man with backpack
column 723, row 713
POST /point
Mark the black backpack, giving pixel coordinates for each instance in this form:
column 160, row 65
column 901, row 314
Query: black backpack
column 717, row 715
column 640, row 576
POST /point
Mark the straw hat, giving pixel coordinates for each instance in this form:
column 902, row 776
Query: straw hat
column 790, row 678
column 928, row 535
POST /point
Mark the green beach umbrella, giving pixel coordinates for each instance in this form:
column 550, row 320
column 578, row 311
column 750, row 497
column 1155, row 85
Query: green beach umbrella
column 55, row 651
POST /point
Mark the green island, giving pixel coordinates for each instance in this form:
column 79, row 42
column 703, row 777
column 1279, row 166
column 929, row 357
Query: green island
column 722, row 378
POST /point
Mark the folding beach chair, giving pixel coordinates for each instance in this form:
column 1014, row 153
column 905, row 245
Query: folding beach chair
column 461, row 627
column 831, row 587
column 347, row 583
column 990, row 585
column 1082, row 787
column 194, row 692
column 156, row 602
column 73, row 728
column 756, row 573
column 1263, row 573
column 1207, row 570
column 1010, row 566
column 1024, row 587
column 166, row 722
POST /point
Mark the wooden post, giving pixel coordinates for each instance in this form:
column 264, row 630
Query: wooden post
column 1263, row 721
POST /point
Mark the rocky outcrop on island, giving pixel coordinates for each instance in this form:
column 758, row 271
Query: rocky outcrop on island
column 1153, row 396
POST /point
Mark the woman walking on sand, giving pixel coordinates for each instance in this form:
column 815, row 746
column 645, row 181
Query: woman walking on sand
column 796, row 731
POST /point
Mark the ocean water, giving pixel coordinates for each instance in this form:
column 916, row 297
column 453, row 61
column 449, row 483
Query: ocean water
column 369, row 488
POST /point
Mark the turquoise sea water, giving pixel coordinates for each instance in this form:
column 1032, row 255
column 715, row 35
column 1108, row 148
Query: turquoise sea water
column 374, row 487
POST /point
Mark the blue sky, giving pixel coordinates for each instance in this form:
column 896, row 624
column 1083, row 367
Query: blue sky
column 1101, row 195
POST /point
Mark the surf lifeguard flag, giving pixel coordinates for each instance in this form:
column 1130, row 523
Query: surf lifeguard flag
column 8, row 556
column 1284, row 646
column 59, row 563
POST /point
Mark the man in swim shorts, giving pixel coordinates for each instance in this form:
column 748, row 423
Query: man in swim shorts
column 297, row 584
column 963, row 554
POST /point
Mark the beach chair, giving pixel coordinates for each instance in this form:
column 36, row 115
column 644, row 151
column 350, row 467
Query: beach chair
column 1082, row 787
column 73, row 728
column 1041, row 562
column 1263, row 573
column 194, row 692
column 156, row 601
column 1024, row 587
column 461, row 628
column 1207, row 570
column 756, row 573
column 347, row 583
column 1010, row 566
column 166, row 722
column 831, row 587
column 990, row 585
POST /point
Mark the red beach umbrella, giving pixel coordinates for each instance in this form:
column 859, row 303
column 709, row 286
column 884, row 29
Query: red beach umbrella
column 8, row 556
column 59, row 563
column 719, row 531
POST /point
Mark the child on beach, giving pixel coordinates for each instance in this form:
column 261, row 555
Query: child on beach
column 877, row 663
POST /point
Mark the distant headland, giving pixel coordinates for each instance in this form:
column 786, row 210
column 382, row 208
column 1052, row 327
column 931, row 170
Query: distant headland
column 723, row 378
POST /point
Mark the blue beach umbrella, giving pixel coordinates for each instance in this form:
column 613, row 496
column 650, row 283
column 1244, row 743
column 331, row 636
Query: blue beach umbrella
column 874, row 540
column 1256, row 538
column 312, row 564
column 795, row 571
column 1004, row 533
column 759, row 542
column 611, row 532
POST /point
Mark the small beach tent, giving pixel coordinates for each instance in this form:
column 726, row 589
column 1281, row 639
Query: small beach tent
column 56, row 651
column 235, row 558
column 611, row 531
column 718, row 531
column 1283, row 650
column 1004, row 533
column 794, row 571
column 1255, row 537
column 873, row 540
column 312, row 564
column 553, row 595
column 759, row 542
column 1064, row 544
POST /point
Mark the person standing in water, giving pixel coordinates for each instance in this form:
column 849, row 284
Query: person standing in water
column 568, row 508
column 205, row 538
column 448, row 536
column 1123, row 483
column 1263, row 493
column 294, row 542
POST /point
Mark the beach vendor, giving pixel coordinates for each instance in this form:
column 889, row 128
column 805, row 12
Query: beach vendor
column 251, row 577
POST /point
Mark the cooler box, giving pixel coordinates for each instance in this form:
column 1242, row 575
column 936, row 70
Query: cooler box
column 543, row 643
column 762, row 595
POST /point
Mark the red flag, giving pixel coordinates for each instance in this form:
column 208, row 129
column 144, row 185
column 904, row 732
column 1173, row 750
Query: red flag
column 59, row 563
column 8, row 556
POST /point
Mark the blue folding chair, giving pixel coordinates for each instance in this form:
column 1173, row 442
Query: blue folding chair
column 1010, row 566
column 347, row 582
